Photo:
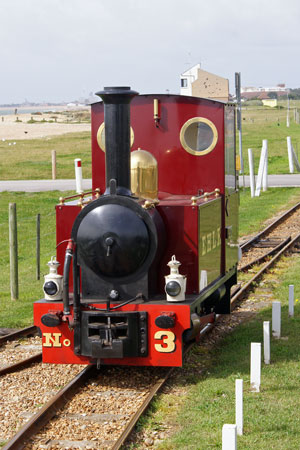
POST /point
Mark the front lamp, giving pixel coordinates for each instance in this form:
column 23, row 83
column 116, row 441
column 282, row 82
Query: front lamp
column 173, row 288
column 50, row 288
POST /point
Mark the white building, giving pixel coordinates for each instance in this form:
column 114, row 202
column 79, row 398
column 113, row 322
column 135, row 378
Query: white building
column 199, row 83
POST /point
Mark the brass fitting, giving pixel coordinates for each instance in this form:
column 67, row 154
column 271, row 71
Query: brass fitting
column 217, row 191
column 61, row 200
column 148, row 205
column 194, row 201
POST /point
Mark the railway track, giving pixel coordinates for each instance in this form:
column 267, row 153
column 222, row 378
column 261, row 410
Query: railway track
column 22, row 362
column 270, row 240
column 89, row 380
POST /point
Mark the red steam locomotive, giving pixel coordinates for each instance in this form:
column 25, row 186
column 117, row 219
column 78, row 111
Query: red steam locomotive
column 165, row 194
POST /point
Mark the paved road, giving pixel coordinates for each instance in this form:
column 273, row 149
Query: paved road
column 42, row 185
column 291, row 180
column 69, row 185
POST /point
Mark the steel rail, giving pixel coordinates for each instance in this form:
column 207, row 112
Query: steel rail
column 16, row 334
column 57, row 402
column 266, row 255
column 270, row 227
column 129, row 428
column 49, row 410
column 247, row 285
column 205, row 330
column 155, row 389
column 21, row 364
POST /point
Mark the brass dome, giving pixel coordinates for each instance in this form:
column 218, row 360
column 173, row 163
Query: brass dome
column 144, row 180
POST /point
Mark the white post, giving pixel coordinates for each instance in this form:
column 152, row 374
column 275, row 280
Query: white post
column 255, row 366
column 295, row 159
column 276, row 319
column 239, row 406
column 251, row 171
column 229, row 437
column 267, row 353
column 290, row 154
column 78, row 175
column 261, row 167
column 53, row 159
column 265, row 172
column 291, row 300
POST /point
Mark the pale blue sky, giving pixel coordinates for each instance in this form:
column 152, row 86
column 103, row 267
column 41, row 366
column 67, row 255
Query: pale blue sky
column 60, row 50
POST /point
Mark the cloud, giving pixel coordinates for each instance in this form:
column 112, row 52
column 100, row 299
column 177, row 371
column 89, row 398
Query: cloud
column 50, row 49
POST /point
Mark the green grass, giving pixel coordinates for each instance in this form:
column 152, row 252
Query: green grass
column 31, row 159
column 260, row 123
column 252, row 214
column 19, row 313
column 254, row 211
column 271, row 418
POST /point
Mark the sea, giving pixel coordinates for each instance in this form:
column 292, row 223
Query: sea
column 4, row 111
column 8, row 111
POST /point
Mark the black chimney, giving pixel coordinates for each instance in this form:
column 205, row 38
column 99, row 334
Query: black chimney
column 117, row 136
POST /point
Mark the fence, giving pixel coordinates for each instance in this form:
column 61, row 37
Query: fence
column 23, row 240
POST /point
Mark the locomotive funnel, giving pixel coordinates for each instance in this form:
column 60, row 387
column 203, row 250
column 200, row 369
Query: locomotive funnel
column 117, row 136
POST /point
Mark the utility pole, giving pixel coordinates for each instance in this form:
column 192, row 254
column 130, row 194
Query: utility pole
column 288, row 111
column 239, row 119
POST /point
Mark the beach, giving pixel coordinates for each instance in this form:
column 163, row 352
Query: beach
column 16, row 126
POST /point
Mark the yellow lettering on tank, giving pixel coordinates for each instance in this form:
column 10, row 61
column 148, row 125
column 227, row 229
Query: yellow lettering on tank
column 52, row 340
column 208, row 242
column 219, row 236
column 203, row 246
column 214, row 240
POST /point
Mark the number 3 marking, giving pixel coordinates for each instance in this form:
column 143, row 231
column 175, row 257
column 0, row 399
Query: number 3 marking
column 168, row 339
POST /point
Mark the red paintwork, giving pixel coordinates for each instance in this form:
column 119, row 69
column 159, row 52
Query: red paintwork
column 180, row 176
column 65, row 355
column 178, row 171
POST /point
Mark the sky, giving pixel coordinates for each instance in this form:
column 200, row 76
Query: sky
column 61, row 50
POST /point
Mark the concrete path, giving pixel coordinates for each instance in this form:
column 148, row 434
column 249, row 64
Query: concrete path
column 69, row 185
column 42, row 185
column 288, row 180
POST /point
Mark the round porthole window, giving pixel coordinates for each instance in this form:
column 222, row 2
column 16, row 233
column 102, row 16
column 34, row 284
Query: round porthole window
column 198, row 136
column 101, row 137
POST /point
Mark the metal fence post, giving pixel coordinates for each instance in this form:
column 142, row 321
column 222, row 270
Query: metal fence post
column 38, row 246
column 13, row 251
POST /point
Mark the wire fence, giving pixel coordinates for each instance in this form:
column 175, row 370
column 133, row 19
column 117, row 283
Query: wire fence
column 35, row 246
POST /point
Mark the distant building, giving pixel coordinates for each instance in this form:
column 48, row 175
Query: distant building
column 267, row 101
column 199, row 83
column 247, row 93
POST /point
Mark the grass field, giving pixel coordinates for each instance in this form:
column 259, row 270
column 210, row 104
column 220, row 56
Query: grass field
column 260, row 123
column 271, row 418
column 19, row 313
column 253, row 213
column 31, row 159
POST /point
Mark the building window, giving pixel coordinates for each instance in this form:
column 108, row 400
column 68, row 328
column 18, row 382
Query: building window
column 184, row 82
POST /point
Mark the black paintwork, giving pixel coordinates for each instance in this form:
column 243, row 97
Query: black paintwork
column 117, row 136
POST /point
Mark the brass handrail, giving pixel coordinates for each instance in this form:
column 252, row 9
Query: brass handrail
column 81, row 195
column 206, row 195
